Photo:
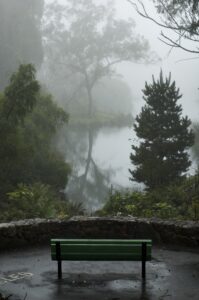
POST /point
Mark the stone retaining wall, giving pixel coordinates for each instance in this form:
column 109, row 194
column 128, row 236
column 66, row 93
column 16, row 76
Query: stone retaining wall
column 39, row 231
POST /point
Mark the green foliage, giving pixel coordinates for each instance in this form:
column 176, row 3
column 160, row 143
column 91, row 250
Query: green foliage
column 28, row 127
column 18, row 100
column 20, row 94
column 45, row 162
column 75, row 209
column 30, row 201
column 137, row 204
column 38, row 201
column 164, row 134
column 195, row 148
column 173, row 202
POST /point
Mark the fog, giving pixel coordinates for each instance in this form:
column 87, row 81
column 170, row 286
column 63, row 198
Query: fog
column 184, row 70
column 183, row 66
column 94, row 59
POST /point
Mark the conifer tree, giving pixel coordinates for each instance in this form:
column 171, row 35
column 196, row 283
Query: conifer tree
column 165, row 136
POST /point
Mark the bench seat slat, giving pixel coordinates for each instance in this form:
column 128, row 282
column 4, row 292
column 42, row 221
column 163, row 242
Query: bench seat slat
column 100, row 241
column 102, row 247
column 91, row 249
column 135, row 253
column 101, row 257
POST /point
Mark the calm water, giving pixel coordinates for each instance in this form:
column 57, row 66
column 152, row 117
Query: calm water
column 100, row 160
column 111, row 150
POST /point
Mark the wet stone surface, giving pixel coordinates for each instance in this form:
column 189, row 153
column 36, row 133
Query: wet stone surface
column 31, row 275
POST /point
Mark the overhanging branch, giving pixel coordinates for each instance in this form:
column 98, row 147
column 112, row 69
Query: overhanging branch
column 183, row 32
column 145, row 15
column 170, row 42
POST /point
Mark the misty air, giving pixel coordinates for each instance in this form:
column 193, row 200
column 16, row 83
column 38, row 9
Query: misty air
column 99, row 149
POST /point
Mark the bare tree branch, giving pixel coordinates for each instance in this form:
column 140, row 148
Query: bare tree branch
column 184, row 32
column 145, row 15
column 186, row 59
column 173, row 43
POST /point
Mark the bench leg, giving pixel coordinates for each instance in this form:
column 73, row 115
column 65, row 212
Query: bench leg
column 144, row 245
column 59, row 269
column 58, row 257
column 143, row 269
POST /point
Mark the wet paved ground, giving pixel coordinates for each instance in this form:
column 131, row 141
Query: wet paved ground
column 31, row 275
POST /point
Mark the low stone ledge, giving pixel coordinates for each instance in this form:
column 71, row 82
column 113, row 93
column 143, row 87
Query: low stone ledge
column 39, row 231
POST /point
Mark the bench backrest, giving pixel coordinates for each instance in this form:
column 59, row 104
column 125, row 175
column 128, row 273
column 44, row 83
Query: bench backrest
column 100, row 249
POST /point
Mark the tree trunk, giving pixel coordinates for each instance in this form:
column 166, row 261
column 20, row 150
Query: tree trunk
column 88, row 161
column 90, row 97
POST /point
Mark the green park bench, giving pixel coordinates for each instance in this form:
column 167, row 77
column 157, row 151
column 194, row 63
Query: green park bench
column 100, row 250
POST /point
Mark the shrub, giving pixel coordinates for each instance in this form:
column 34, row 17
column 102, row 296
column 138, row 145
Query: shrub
column 173, row 202
column 31, row 201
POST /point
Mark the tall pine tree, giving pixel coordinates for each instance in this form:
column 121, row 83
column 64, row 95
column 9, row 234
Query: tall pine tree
column 165, row 136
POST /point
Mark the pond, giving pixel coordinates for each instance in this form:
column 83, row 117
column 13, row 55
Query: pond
column 100, row 162
column 112, row 150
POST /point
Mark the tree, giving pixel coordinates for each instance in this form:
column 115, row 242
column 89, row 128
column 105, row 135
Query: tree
column 195, row 148
column 20, row 36
column 18, row 99
column 179, row 16
column 161, row 158
column 29, row 122
column 21, row 94
column 44, row 162
column 84, row 41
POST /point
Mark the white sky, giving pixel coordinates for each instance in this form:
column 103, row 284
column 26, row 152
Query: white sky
column 185, row 73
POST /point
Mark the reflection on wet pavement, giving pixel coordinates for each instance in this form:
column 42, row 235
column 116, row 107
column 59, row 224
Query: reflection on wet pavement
column 170, row 275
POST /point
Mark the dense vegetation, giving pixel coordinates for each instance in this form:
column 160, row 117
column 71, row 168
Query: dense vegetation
column 74, row 46
column 179, row 201
column 82, row 43
column 32, row 171
column 160, row 160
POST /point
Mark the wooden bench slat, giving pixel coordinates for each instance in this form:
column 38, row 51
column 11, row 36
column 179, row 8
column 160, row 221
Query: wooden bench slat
column 64, row 253
column 81, row 253
column 92, row 247
column 101, row 257
column 100, row 241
